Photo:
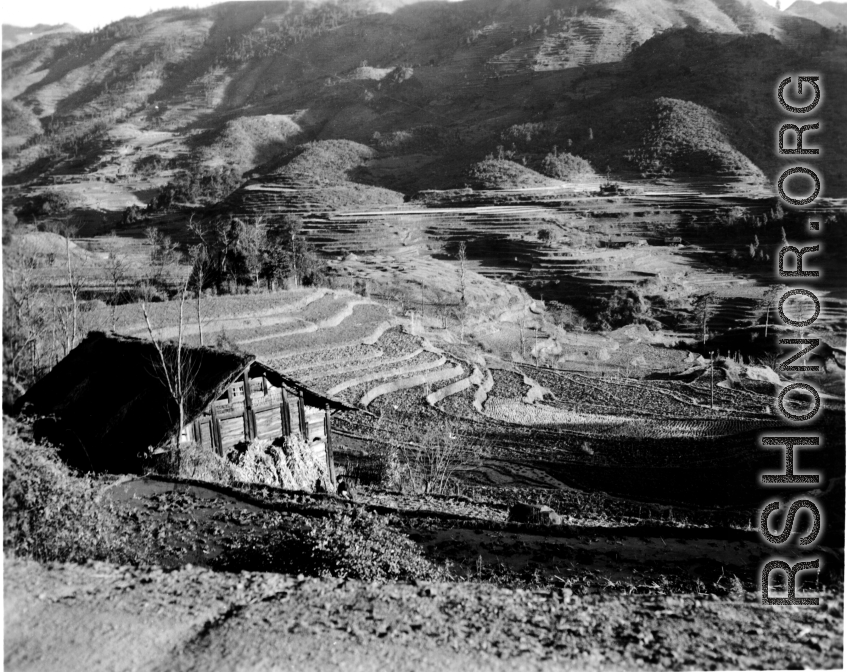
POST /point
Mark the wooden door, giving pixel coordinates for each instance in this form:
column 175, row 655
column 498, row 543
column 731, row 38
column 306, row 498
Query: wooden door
column 204, row 432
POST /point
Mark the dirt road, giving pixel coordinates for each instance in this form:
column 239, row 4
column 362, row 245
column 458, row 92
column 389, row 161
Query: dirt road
column 105, row 617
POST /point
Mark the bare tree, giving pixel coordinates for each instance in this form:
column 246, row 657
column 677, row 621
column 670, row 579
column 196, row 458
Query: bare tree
column 75, row 280
column 522, row 324
column 462, row 256
column 460, row 312
column 768, row 300
column 200, row 256
column 41, row 319
column 199, row 273
column 176, row 370
column 442, row 306
column 163, row 253
column 116, row 271
column 701, row 309
column 24, row 318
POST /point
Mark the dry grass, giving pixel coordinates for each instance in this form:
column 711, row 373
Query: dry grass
column 291, row 466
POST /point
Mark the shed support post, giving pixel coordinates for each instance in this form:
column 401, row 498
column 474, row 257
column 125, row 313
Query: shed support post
column 285, row 411
column 249, row 419
column 301, row 407
column 215, row 432
column 330, row 460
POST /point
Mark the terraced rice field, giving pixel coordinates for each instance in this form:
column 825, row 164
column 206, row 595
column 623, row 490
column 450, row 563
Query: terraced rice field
column 229, row 312
column 626, row 436
column 603, row 244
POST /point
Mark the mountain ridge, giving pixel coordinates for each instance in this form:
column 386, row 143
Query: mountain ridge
column 16, row 35
column 828, row 14
column 467, row 71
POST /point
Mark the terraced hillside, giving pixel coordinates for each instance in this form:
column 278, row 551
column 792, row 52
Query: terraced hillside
column 560, row 427
column 596, row 247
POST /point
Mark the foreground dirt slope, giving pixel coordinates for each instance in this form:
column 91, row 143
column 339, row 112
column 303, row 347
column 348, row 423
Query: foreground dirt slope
column 98, row 616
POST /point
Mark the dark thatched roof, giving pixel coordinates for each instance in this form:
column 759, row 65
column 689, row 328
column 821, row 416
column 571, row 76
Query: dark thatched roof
column 112, row 402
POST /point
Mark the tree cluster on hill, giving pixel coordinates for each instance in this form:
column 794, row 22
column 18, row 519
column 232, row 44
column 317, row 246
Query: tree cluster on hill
column 566, row 166
column 153, row 164
column 501, row 173
column 247, row 142
column 198, row 185
column 322, row 162
column 235, row 252
column 686, row 137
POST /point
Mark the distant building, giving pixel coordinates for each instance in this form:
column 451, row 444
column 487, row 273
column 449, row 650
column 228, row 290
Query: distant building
column 107, row 404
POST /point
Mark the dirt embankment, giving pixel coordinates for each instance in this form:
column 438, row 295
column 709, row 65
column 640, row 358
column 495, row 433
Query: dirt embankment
column 99, row 616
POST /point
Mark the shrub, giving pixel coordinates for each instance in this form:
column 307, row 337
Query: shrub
column 52, row 514
column 425, row 456
column 387, row 469
column 132, row 215
column 627, row 306
column 361, row 545
column 548, row 236
column 566, row 316
column 566, row 166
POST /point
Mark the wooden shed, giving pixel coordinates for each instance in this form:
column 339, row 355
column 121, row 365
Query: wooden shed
column 108, row 403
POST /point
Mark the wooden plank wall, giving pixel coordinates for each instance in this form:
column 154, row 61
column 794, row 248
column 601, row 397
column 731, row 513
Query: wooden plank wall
column 232, row 431
column 269, row 423
column 266, row 412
